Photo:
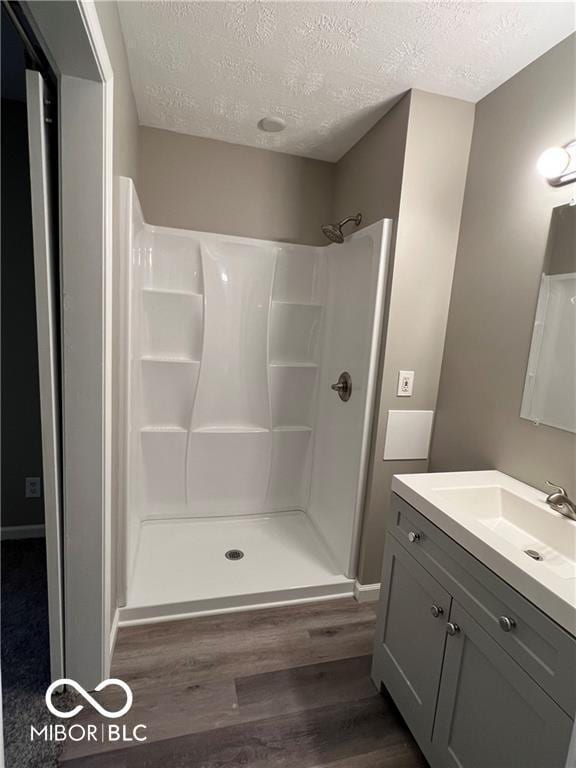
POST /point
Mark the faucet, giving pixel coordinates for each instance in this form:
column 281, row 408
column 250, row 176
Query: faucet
column 560, row 502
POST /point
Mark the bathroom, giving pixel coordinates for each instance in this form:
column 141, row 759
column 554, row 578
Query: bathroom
column 336, row 428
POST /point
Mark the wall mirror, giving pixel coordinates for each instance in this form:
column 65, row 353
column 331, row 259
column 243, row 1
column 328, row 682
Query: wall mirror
column 550, row 385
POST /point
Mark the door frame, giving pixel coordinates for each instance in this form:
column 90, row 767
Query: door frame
column 72, row 39
column 48, row 373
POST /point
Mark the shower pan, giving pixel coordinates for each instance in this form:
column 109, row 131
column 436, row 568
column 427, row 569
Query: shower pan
column 245, row 469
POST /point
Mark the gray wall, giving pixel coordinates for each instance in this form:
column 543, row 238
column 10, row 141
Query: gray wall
column 21, row 430
column 415, row 163
column 126, row 150
column 202, row 184
column 505, row 223
column 369, row 175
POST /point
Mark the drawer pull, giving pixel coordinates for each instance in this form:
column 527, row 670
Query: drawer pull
column 506, row 624
column 413, row 536
column 436, row 611
column 452, row 629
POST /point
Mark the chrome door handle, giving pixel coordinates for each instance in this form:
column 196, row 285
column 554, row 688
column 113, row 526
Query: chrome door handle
column 436, row 610
column 413, row 536
column 452, row 629
column 506, row 624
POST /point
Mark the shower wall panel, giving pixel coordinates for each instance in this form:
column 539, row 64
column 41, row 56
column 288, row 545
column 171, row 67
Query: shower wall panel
column 225, row 340
column 356, row 274
column 232, row 347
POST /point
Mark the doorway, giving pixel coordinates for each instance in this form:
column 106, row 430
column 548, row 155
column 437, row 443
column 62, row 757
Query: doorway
column 32, row 634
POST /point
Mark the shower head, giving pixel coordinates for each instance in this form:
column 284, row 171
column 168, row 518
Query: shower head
column 334, row 231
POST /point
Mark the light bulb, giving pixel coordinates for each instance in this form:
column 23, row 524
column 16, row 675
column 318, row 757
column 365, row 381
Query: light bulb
column 553, row 162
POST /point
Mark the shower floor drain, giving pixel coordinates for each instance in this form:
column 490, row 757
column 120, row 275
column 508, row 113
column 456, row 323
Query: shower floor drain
column 533, row 554
column 234, row 554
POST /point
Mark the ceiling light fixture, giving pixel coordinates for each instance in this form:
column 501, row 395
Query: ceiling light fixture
column 271, row 124
column 558, row 164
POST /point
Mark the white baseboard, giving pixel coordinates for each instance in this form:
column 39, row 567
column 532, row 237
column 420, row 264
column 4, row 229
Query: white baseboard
column 113, row 635
column 22, row 532
column 366, row 593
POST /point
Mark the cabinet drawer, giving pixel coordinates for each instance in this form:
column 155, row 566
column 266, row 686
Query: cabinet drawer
column 539, row 645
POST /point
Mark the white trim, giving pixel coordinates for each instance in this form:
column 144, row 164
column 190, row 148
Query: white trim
column 47, row 312
column 366, row 593
column 22, row 532
column 71, row 35
column 384, row 226
column 132, row 619
column 114, row 631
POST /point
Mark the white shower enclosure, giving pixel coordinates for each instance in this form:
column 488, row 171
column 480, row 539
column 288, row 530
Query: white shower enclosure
column 245, row 471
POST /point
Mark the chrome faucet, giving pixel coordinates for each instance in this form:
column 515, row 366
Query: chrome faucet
column 560, row 502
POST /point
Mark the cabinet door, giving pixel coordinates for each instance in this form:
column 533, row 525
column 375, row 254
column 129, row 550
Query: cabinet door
column 491, row 714
column 410, row 638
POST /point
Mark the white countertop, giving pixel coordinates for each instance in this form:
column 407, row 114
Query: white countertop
column 495, row 517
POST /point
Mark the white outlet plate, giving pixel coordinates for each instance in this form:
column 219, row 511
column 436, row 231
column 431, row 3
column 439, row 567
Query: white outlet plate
column 405, row 383
column 33, row 488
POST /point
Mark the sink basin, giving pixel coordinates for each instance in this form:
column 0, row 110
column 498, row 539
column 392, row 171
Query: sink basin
column 528, row 527
column 508, row 526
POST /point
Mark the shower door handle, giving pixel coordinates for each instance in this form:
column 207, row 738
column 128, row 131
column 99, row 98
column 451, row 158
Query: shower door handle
column 343, row 386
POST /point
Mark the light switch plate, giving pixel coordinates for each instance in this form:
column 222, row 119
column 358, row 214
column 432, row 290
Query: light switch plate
column 405, row 383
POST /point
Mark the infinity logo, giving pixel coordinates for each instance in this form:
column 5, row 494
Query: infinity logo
column 90, row 699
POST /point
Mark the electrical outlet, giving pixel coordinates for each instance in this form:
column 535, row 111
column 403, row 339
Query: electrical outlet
column 405, row 383
column 33, row 488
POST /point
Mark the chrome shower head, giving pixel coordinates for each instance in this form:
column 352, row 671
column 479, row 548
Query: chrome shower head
column 334, row 231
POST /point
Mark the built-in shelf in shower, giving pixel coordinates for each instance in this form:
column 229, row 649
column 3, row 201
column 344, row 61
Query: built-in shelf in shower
column 167, row 359
column 296, row 303
column 230, row 430
column 171, row 291
column 163, row 429
column 274, row 364
column 293, row 428
column 173, row 324
column 294, row 331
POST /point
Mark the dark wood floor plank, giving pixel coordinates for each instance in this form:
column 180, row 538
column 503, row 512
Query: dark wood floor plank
column 285, row 687
column 167, row 713
column 235, row 654
column 345, row 630
column 301, row 740
column 302, row 688
column 148, row 637
column 404, row 755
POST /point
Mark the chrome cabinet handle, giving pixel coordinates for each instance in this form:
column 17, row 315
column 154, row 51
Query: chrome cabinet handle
column 436, row 610
column 452, row 629
column 506, row 624
column 413, row 536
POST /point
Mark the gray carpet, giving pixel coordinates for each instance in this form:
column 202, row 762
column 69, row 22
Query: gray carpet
column 25, row 654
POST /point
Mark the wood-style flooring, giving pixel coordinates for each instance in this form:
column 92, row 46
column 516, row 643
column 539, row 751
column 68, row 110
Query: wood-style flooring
column 283, row 687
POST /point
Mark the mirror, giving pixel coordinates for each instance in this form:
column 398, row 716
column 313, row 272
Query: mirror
column 550, row 386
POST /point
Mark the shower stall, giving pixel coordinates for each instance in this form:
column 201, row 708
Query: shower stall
column 245, row 461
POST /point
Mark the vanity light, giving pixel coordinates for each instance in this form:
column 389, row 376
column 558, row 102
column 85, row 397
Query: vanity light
column 271, row 124
column 558, row 164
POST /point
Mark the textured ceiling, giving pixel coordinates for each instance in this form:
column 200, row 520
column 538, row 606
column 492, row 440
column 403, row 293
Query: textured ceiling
column 329, row 69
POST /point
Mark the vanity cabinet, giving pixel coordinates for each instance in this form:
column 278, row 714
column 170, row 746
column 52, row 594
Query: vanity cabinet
column 413, row 637
column 482, row 677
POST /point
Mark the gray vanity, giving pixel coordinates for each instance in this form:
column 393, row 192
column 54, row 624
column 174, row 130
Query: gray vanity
column 483, row 676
